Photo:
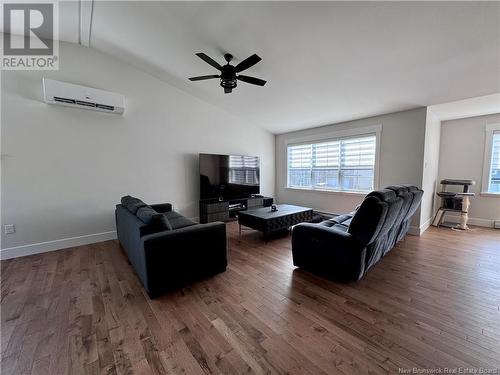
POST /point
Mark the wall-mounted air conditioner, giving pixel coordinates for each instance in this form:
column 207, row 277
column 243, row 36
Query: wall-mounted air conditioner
column 71, row 95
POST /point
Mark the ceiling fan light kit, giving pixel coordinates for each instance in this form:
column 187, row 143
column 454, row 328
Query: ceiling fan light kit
column 228, row 73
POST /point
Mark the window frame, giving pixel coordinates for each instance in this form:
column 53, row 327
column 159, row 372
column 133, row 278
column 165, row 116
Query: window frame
column 374, row 130
column 490, row 130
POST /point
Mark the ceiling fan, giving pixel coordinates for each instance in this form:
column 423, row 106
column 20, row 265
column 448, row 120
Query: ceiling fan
column 228, row 77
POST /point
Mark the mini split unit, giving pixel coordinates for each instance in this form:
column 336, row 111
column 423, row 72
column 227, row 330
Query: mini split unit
column 71, row 95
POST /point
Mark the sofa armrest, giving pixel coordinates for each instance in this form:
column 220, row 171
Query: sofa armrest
column 175, row 257
column 341, row 218
column 322, row 235
column 162, row 207
column 328, row 251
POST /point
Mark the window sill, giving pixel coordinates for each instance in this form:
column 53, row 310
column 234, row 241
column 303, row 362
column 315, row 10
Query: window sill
column 336, row 192
column 488, row 194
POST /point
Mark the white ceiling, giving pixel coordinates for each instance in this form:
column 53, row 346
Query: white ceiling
column 325, row 62
column 479, row 106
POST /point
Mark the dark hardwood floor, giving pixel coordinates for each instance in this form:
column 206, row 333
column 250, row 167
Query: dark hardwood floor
column 432, row 302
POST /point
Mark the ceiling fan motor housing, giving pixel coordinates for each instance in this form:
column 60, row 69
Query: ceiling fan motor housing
column 228, row 77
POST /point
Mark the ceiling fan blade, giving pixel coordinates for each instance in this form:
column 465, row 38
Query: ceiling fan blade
column 247, row 63
column 252, row 80
column 209, row 60
column 200, row 78
column 228, row 90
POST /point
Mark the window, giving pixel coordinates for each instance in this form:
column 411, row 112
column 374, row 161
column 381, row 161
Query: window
column 244, row 170
column 345, row 164
column 493, row 175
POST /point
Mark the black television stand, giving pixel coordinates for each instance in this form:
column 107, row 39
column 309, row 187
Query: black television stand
column 227, row 210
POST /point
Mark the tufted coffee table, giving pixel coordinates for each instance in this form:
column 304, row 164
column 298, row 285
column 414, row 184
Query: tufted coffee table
column 267, row 221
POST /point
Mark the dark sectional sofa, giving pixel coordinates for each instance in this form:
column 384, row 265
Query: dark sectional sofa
column 346, row 246
column 167, row 249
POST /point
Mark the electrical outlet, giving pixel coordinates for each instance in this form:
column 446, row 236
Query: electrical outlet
column 9, row 228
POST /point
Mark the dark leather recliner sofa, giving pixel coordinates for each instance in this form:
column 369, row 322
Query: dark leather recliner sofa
column 345, row 247
column 167, row 249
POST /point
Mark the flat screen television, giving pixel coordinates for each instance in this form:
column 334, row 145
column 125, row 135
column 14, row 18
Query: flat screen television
column 228, row 176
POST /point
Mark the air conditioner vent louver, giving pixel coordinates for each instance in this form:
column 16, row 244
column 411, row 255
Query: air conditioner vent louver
column 63, row 100
column 71, row 95
column 107, row 107
column 88, row 104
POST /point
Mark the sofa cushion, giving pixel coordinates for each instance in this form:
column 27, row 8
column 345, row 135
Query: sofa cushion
column 417, row 197
column 340, row 227
column 328, row 223
column 145, row 214
column 161, row 221
column 134, row 204
column 125, row 200
column 407, row 197
column 347, row 222
column 162, row 207
column 369, row 218
column 177, row 220
column 382, row 194
column 156, row 220
column 339, row 219
column 394, row 207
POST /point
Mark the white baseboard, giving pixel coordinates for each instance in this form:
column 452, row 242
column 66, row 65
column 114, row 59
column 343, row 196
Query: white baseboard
column 418, row 231
column 425, row 225
column 42, row 247
column 488, row 223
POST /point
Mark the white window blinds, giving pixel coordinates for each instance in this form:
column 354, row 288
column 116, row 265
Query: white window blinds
column 244, row 170
column 341, row 164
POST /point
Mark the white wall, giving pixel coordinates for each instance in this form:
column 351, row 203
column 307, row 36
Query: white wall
column 401, row 155
column 461, row 157
column 64, row 169
column 430, row 168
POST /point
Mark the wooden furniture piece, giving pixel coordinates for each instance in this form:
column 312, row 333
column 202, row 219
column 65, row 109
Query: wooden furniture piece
column 454, row 202
column 267, row 221
column 226, row 210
